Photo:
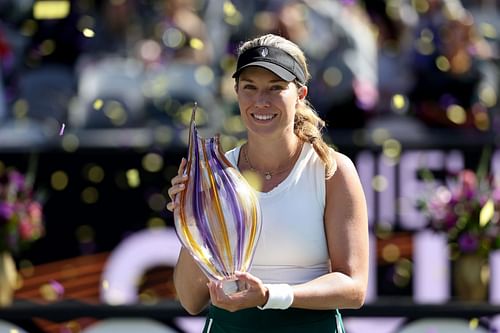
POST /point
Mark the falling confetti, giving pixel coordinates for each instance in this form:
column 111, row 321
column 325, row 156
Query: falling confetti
column 61, row 131
column 58, row 288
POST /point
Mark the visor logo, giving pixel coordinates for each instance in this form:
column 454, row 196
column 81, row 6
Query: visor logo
column 264, row 52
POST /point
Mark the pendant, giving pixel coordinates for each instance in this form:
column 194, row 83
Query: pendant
column 268, row 176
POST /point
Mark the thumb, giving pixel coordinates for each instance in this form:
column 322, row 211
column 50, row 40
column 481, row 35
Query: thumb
column 248, row 278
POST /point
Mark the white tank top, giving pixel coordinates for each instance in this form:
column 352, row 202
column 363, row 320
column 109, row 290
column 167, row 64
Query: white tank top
column 292, row 247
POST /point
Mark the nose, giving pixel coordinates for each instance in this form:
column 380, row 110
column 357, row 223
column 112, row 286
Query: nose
column 262, row 100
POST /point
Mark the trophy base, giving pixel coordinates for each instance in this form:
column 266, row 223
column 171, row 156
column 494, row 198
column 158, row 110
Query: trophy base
column 232, row 286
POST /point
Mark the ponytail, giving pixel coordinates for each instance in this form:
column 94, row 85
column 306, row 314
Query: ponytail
column 308, row 126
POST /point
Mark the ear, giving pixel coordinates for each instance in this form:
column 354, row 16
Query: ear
column 302, row 92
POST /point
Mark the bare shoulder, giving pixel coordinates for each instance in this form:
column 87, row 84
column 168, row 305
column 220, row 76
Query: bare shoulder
column 344, row 166
column 345, row 195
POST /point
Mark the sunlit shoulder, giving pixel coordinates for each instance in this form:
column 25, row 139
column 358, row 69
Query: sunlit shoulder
column 343, row 165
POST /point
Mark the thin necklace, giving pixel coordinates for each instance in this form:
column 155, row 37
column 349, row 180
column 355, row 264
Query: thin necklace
column 268, row 175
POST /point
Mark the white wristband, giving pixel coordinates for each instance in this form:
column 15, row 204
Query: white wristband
column 280, row 297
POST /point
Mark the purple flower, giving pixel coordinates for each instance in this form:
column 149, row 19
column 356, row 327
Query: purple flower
column 467, row 243
column 18, row 180
column 21, row 217
column 450, row 220
column 6, row 211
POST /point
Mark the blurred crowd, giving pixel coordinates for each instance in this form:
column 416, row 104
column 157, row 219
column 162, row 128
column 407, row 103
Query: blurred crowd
column 143, row 63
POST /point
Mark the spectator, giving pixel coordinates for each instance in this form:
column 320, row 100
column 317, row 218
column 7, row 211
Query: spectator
column 447, row 62
column 339, row 41
column 393, row 27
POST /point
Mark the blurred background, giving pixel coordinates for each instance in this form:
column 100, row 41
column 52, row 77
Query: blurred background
column 95, row 102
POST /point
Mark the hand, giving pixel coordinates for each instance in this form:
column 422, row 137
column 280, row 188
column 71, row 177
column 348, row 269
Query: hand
column 177, row 185
column 255, row 295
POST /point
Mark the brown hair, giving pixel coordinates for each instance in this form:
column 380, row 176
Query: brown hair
column 308, row 125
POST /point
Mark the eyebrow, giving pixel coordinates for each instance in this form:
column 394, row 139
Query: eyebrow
column 272, row 81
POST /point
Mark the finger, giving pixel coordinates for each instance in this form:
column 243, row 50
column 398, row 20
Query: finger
column 249, row 281
column 214, row 291
column 181, row 166
column 179, row 179
column 210, row 287
column 211, row 292
column 247, row 277
column 175, row 189
column 171, row 206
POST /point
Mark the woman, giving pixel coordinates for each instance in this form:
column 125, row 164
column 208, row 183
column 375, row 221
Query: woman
column 312, row 254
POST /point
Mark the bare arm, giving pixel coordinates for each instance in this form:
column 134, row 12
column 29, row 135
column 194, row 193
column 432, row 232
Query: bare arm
column 190, row 284
column 346, row 227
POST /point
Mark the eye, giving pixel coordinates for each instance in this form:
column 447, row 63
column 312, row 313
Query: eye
column 278, row 87
column 249, row 86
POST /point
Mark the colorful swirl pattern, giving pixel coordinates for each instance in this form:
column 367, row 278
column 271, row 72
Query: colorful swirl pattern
column 218, row 218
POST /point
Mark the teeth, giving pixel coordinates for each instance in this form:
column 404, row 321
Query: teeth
column 263, row 117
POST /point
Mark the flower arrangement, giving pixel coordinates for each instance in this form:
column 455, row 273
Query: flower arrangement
column 467, row 209
column 21, row 216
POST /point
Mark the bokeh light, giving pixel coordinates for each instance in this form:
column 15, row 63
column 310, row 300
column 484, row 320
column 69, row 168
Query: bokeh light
column 443, row 64
column 48, row 293
column 380, row 135
column 204, row 75
column 51, row 10
column 196, row 43
column 133, row 178
column 28, row 28
column 173, row 38
column 231, row 15
column 47, row 47
column 157, row 202
column 473, row 323
column 89, row 33
column 148, row 297
column 392, row 148
column 98, row 104
column 402, row 272
column 379, row 183
column 116, row 112
column 94, row 173
column 90, row 195
column 150, row 50
column 156, row 222
column 391, row 253
column 332, row 76
column 152, row 162
column 456, row 114
column 421, row 6
column 399, row 103
column 20, row 108
column 488, row 96
column 70, row 142
column 184, row 116
column 59, row 180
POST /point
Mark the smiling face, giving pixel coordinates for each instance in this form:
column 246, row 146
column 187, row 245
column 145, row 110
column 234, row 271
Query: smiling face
column 267, row 102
